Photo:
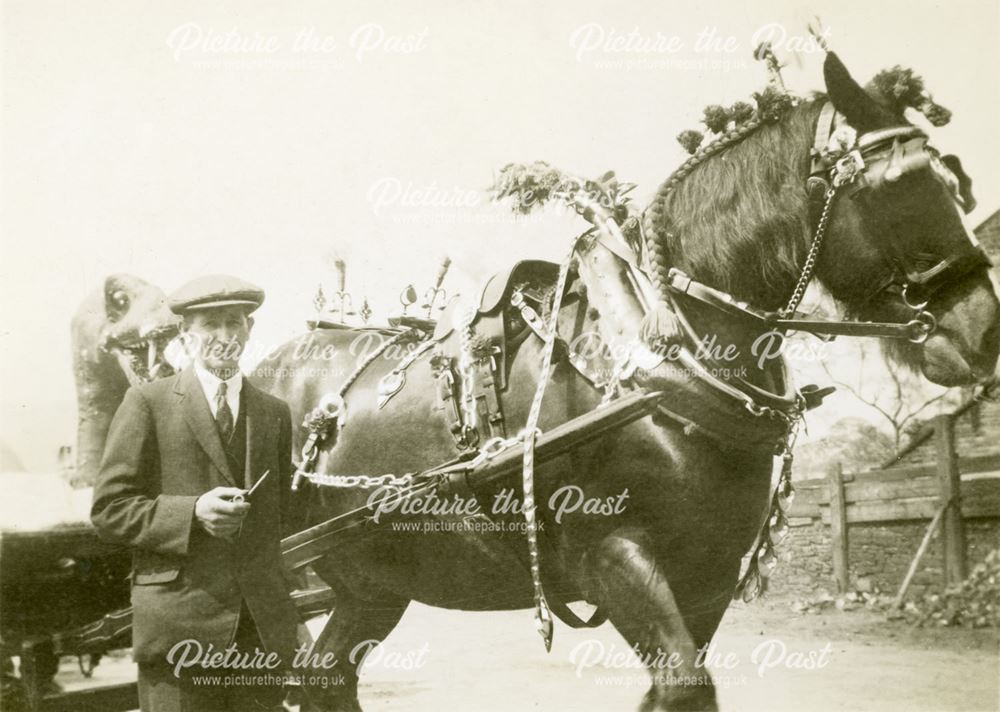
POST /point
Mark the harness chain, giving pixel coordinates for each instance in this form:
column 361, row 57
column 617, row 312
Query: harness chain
column 318, row 422
column 843, row 172
column 810, row 265
column 543, row 616
column 363, row 481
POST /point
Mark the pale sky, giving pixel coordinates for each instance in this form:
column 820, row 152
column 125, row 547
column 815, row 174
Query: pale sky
column 135, row 139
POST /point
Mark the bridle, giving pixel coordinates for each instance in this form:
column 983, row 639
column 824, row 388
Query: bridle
column 860, row 167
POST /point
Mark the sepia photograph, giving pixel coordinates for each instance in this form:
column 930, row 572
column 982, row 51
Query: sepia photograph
column 499, row 356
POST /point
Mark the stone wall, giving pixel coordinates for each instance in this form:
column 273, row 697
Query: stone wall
column 879, row 555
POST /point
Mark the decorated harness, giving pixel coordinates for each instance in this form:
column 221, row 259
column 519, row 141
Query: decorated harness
column 624, row 274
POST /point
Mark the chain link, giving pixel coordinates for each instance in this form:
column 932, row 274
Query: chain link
column 810, row 266
column 362, row 481
column 487, row 452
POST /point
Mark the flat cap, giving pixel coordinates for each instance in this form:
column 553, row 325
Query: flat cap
column 216, row 290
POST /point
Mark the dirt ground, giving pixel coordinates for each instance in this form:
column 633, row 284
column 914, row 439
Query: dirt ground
column 485, row 662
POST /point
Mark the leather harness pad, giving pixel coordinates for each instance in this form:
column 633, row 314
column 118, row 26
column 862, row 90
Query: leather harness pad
column 492, row 332
column 497, row 289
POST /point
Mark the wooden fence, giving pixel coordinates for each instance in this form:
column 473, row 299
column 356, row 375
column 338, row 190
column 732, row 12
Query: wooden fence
column 945, row 492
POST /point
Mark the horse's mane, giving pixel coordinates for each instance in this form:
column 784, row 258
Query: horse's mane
column 740, row 219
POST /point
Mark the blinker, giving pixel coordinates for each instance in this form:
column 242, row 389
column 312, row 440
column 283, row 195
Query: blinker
column 904, row 157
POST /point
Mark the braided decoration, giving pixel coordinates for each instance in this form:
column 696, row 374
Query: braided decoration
column 370, row 358
column 655, row 216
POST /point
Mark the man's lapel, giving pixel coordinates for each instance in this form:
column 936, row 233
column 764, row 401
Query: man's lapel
column 200, row 421
column 261, row 424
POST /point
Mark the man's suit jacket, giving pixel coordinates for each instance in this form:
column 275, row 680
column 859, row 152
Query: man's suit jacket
column 163, row 451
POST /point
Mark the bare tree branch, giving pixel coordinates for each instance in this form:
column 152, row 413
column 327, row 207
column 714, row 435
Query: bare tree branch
column 896, row 412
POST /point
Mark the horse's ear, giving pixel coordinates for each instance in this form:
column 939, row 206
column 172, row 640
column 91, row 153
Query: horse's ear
column 850, row 99
column 964, row 182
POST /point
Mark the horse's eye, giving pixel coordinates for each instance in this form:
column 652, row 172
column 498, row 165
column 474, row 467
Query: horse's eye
column 119, row 299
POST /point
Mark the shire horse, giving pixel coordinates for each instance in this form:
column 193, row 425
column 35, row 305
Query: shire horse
column 732, row 235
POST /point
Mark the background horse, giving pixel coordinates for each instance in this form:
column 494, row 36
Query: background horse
column 663, row 567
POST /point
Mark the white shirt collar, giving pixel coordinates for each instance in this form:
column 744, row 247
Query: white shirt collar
column 210, row 385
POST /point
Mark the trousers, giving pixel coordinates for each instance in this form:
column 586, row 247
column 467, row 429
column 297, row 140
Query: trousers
column 213, row 690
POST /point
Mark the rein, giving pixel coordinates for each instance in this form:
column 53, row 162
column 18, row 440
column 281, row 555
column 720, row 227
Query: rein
column 916, row 330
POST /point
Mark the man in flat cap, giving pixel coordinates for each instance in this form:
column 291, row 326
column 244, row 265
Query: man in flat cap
column 181, row 457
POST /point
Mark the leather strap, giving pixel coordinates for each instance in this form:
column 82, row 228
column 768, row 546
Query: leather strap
column 825, row 126
column 683, row 284
column 486, row 394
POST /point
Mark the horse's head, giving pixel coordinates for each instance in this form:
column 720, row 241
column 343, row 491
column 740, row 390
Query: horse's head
column 896, row 237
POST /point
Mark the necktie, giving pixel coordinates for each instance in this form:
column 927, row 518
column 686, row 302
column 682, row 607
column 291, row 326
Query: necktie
column 223, row 414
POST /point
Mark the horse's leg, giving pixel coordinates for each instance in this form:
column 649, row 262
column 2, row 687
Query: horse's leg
column 632, row 587
column 706, row 601
column 354, row 626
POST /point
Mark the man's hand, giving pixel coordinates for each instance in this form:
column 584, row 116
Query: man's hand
column 218, row 514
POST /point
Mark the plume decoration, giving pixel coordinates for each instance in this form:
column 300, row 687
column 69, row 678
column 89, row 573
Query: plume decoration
column 935, row 113
column 772, row 104
column 741, row 112
column 764, row 52
column 904, row 88
column 716, row 118
column 690, row 140
column 528, row 186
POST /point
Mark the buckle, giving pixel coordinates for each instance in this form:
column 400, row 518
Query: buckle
column 847, row 168
column 678, row 280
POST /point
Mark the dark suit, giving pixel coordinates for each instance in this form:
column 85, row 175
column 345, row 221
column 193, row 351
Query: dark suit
column 164, row 451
